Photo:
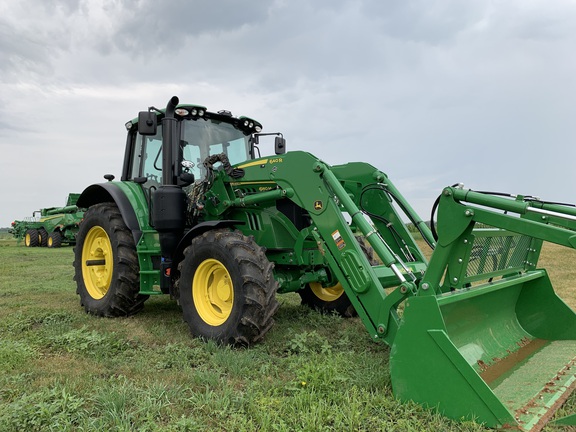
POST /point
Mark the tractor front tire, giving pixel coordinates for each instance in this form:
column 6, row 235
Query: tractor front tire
column 54, row 239
column 227, row 289
column 31, row 238
column 106, row 264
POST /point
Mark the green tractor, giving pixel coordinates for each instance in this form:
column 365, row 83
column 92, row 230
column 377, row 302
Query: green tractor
column 50, row 227
column 477, row 332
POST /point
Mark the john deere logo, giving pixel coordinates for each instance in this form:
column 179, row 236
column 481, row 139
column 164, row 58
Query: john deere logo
column 318, row 205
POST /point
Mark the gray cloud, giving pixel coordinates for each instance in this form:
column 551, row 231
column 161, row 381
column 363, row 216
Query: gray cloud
column 149, row 28
column 432, row 93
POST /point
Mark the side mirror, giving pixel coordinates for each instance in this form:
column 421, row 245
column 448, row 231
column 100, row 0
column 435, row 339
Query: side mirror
column 279, row 145
column 147, row 123
column 185, row 179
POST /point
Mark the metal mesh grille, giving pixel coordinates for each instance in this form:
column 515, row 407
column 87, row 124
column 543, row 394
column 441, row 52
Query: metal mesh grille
column 490, row 254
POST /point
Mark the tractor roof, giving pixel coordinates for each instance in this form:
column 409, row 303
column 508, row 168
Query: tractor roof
column 196, row 112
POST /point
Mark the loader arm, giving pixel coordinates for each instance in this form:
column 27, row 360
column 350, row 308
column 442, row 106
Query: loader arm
column 329, row 200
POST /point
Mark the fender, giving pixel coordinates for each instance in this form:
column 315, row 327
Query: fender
column 118, row 193
column 200, row 229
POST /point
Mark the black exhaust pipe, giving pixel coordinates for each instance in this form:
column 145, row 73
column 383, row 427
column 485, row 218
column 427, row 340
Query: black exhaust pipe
column 169, row 200
column 170, row 144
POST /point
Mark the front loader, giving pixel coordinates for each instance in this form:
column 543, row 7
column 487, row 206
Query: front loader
column 476, row 333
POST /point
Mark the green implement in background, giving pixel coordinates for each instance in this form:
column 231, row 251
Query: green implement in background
column 50, row 227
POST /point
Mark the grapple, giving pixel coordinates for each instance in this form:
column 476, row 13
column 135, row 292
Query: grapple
column 478, row 332
column 487, row 338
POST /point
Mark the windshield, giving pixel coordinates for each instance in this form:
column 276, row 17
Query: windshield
column 203, row 138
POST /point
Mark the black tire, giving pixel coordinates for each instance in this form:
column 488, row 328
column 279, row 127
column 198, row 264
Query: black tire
column 104, row 243
column 31, row 238
column 227, row 289
column 327, row 300
column 333, row 299
column 54, row 239
column 42, row 237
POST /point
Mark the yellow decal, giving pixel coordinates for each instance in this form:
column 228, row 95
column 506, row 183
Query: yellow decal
column 254, row 163
column 251, row 183
column 276, row 160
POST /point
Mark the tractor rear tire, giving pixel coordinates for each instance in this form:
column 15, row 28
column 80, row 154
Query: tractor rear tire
column 54, row 239
column 106, row 264
column 31, row 238
column 42, row 237
column 227, row 289
column 333, row 299
column 327, row 300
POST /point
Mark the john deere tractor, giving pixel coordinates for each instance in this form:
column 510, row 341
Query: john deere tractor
column 201, row 215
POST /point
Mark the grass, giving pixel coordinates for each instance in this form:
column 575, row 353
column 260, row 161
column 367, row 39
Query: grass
column 63, row 370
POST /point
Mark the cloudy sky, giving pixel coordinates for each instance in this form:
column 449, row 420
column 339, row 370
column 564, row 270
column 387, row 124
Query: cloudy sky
column 431, row 92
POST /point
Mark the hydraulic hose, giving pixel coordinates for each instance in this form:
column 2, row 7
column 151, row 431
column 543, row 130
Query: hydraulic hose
column 395, row 233
column 416, row 223
column 433, row 212
column 432, row 222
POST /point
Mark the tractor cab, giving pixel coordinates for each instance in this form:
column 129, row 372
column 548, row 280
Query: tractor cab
column 171, row 154
column 200, row 134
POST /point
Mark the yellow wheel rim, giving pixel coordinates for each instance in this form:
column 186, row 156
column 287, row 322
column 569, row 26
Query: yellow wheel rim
column 327, row 294
column 27, row 239
column 49, row 242
column 97, row 262
column 213, row 292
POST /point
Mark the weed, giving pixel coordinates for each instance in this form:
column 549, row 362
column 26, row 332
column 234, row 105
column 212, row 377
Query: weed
column 45, row 410
column 14, row 354
column 21, row 322
column 88, row 342
column 181, row 356
column 307, row 343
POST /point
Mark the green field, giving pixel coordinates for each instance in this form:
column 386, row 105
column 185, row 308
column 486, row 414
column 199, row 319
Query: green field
column 61, row 369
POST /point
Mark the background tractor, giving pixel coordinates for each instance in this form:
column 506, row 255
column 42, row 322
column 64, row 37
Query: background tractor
column 200, row 214
column 50, row 227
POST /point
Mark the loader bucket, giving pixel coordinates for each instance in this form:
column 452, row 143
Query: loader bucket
column 502, row 353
